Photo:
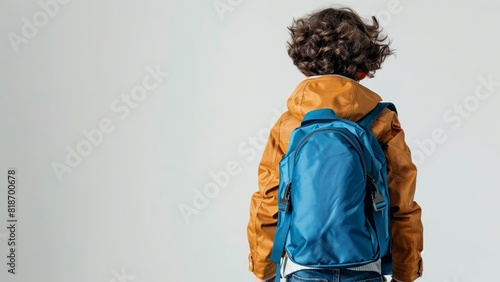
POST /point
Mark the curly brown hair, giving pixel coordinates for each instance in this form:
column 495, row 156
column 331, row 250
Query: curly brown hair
column 337, row 41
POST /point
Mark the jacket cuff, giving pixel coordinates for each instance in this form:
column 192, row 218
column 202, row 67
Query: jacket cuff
column 262, row 270
column 406, row 271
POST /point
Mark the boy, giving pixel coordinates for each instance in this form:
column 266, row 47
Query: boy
column 335, row 49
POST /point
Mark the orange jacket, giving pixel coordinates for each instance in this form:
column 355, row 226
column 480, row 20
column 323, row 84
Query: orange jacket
column 350, row 100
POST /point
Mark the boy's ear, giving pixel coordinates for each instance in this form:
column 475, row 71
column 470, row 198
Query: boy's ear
column 361, row 75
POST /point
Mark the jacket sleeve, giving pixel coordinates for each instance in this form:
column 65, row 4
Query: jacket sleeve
column 406, row 224
column 264, row 208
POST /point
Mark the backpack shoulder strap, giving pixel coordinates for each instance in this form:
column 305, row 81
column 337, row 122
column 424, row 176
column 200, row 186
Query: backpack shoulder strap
column 369, row 118
column 366, row 122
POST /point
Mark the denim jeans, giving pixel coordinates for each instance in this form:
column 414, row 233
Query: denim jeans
column 334, row 275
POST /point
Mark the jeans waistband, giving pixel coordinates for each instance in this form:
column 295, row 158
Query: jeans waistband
column 289, row 267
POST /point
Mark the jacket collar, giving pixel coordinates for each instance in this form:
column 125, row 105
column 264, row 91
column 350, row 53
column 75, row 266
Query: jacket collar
column 346, row 97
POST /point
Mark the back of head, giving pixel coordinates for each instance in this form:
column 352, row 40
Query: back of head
column 337, row 41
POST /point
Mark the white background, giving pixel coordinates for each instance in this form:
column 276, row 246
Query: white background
column 117, row 215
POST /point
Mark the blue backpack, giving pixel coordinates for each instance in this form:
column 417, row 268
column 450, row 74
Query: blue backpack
column 333, row 195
